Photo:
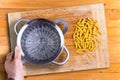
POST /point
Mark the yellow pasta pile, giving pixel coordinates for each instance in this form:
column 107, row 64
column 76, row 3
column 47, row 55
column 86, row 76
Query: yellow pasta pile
column 86, row 35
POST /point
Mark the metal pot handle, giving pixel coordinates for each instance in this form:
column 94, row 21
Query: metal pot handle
column 64, row 23
column 18, row 22
column 66, row 59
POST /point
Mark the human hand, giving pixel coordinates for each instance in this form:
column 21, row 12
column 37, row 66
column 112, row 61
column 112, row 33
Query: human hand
column 14, row 67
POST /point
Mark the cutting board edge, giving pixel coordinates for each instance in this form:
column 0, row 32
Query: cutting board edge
column 10, row 24
column 105, row 67
column 56, row 8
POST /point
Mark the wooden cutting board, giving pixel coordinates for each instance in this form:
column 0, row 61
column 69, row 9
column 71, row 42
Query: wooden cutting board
column 71, row 15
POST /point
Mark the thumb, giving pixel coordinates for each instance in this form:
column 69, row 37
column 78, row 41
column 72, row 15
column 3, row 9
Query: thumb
column 17, row 52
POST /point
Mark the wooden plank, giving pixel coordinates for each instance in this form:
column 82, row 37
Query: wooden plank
column 78, row 76
column 60, row 3
column 3, row 51
column 3, row 75
column 110, row 12
column 4, row 41
column 71, row 15
column 83, row 75
column 113, row 23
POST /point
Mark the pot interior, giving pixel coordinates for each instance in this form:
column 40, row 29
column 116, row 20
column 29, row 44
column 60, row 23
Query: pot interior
column 40, row 41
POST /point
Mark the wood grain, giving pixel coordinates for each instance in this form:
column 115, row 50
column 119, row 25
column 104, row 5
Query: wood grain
column 112, row 10
column 71, row 15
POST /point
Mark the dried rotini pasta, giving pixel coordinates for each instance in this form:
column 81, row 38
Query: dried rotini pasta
column 86, row 35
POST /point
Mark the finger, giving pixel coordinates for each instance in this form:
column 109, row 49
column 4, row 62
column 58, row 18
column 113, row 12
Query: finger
column 9, row 57
column 17, row 52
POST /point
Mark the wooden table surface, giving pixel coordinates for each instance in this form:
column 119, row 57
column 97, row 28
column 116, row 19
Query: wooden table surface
column 112, row 13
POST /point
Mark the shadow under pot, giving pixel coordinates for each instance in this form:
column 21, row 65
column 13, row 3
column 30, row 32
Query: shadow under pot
column 41, row 40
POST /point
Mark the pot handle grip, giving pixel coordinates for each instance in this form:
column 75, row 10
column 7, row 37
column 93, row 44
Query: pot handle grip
column 64, row 23
column 18, row 22
column 66, row 59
